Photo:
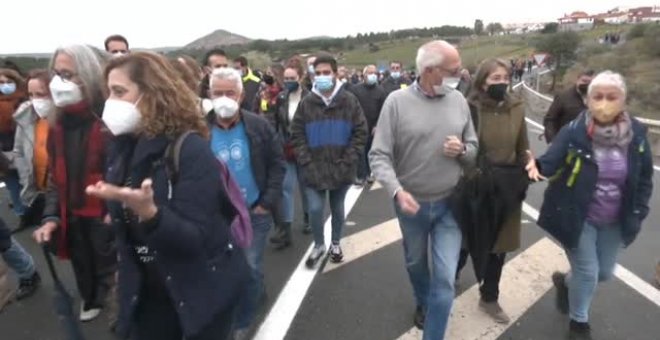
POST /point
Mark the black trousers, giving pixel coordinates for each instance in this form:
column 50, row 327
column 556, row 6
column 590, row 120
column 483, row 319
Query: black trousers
column 94, row 258
column 490, row 288
column 156, row 318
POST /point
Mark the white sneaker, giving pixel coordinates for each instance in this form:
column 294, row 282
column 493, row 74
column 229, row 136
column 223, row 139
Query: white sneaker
column 88, row 314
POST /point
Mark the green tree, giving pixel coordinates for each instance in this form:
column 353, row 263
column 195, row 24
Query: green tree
column 562, row 47
column 549, row 28
column 494, row 27
column 478, row 27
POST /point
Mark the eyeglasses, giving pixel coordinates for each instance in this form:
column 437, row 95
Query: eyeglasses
column 65, row 75
column 452, row 73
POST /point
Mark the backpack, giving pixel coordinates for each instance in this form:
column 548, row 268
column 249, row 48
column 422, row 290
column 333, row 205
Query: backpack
column 241, row 227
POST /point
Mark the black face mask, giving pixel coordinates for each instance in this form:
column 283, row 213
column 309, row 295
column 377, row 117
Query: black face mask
column 497, row 91
column 269, row 80
column 583, row 89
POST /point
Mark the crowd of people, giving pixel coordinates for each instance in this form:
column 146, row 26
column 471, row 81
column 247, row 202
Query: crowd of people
column 162, row 179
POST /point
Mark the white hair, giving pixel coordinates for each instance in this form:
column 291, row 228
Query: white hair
column 428, row 56
column 364, row 71
column 609, row 78
column 226, row 73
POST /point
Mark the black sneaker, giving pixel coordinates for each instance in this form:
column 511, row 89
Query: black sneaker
column 420, row 317
column 579, row 330
column 27, row 287
column 559, row 280
column 336, row 255
column 315, row 256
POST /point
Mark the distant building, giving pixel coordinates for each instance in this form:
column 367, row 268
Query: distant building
column 644, row 14
column 576, row 21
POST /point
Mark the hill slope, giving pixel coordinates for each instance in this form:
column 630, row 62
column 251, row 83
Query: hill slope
column 217, row 38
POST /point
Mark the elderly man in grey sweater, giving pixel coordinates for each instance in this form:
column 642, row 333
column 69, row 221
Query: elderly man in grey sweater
column 423, row 139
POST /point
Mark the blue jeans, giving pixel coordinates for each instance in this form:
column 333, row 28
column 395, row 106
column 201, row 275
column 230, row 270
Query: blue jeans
column 434, row 289
column 315, row 204
column 290, row 181
column 261, row 225
column 19, row 260
column 14, row 187
column 591, row 262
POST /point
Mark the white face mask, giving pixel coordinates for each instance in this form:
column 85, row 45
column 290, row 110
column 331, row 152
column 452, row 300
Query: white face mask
column 225, row 107
column 451, row 82
column 121, row 117
column 65, row 93
column 207, row 105
column 43, row 107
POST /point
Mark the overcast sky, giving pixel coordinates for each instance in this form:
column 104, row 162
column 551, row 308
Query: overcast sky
column 42, row 25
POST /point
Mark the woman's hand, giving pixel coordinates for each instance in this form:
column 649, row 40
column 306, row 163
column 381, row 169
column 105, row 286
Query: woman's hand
column 140, row 201
column 43, row 234
column 532, row 170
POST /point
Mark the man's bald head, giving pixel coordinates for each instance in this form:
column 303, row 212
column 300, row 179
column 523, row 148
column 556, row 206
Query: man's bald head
column 437, row 53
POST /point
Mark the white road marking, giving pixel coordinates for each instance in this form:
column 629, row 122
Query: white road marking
column 629, row 278
column 367, row 241
column 525, row 279
column 281, row 315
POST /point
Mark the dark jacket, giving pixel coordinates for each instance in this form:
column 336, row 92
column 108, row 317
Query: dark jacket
column 189, row 237
column 328, row 139
column 390, row 84
column 251, row 87
column 566, row 107
column 371, row 98
column 281, row 118
column 570, row 160
column 266, row 157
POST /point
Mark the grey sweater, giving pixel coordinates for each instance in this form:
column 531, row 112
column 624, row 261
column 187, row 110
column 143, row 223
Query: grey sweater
column 407, row 151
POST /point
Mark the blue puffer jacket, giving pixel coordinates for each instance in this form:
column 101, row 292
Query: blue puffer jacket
column 570, row 162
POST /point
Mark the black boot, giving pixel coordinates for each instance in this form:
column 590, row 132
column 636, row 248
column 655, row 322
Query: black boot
column 284, row 240
column 307, row 229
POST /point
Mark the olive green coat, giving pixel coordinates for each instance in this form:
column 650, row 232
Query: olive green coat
column 503, row 136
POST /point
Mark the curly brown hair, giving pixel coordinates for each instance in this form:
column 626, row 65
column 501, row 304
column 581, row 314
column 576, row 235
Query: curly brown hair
column 168, row 105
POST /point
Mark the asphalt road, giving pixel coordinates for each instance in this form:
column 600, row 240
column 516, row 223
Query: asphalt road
column 369, row 296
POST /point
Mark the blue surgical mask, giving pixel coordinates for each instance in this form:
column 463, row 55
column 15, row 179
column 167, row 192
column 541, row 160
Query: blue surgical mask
column 323, row 83
column 292, row 86
column 396, row 75
column 8, row 88
column 372, row 79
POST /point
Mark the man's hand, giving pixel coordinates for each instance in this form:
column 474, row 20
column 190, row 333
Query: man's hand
column 453, row 147
column 259, row 210
column 407, row 203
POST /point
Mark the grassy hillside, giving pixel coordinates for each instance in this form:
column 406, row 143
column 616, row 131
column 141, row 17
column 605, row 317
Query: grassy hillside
column 473, row 50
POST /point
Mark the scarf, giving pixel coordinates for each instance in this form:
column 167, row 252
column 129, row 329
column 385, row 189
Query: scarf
column 77, row 155
column 619, row 133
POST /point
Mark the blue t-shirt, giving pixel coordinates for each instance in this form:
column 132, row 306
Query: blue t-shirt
column 232, row 147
